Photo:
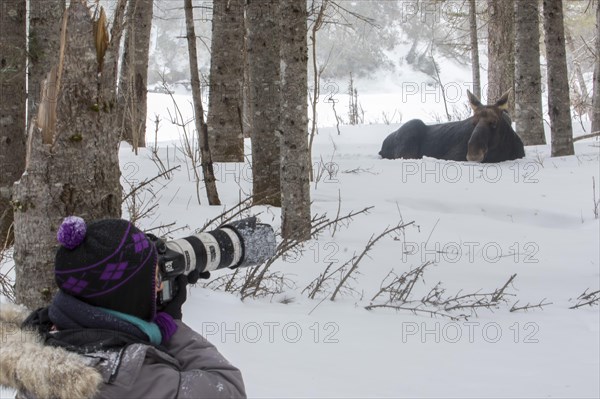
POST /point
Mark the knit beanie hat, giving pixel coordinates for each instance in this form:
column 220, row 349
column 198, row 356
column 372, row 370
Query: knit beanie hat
column 108, row 263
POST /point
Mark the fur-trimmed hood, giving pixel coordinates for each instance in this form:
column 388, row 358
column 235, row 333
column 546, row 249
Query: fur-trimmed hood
column 37, row 370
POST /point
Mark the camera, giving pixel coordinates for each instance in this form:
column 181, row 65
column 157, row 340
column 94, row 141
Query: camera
column 241, row 243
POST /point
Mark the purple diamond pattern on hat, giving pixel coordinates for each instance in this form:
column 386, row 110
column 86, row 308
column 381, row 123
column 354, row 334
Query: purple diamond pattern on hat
column 141, row 242
column 74, row 285
column 114, row 271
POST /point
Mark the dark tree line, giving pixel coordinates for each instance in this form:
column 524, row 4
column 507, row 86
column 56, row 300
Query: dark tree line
column 78, row 116
column 514, row 63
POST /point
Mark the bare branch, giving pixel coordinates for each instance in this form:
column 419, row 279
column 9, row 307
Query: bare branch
column 368, row 247
column 149, row 182
column 586, row 136
column 416, row 310
column 539, row 305
column 587, row 299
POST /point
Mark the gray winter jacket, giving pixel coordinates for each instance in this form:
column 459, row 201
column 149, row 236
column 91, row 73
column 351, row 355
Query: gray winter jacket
column 190, row 368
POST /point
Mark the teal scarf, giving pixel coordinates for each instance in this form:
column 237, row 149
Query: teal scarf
column 148, row 328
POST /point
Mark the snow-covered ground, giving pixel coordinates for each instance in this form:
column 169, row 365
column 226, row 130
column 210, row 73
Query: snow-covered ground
column 478, row 224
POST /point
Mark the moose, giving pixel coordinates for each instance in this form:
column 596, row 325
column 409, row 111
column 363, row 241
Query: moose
column 485, row 137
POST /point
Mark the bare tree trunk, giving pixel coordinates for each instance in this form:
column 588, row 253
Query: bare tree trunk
column 201, row 128
column 295, row 165
column 529, row 116
column 596, row 95
column 225, row 103
column 265, row 93
column 133, row 81
column 501, row 56
column 72, row 158
column 474, row 48
column 44, row 43
column 559, row 104
column 13, row 98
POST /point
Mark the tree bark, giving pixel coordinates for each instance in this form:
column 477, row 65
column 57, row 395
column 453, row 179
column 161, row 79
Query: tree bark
column 501, row 56
column 559, row 104
column 201, row 128
column 44, row 43
column 133, row 81
column 596, row 94
column 474, row 48
column 529, row 116
column 247, row 114
column 72, row 159
column 265, row 93
column 13, row 98
column 295, row 165
column 225, row 103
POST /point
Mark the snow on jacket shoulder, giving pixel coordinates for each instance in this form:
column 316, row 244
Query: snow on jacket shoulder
column 191, row 368
column 40, row 371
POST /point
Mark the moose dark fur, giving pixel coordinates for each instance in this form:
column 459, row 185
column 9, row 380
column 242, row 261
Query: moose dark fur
column 487, row 137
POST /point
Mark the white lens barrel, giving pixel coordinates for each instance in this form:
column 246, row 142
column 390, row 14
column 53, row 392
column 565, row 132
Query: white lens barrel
column 213, row 251
column 183, row 247
column 237, row 246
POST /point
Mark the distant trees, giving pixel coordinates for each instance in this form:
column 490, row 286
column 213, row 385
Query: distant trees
column 133, row 79
column 12, row 106
column 169, row 52
column 528, row 79
column 559, row 104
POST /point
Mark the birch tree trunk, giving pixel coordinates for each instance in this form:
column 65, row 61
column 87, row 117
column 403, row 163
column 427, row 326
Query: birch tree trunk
column 201, row 128
column 133, row 81
column 72, row 158
column 44, row 43
column 596, row 94
column 13, row 98
column 501, row 55
column 265, row 94
column 295, row 165
column 559, row 104
column 474, row 48
column 529, row 116
column 225, row 103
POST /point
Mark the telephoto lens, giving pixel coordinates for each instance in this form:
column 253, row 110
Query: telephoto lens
column 238, row 244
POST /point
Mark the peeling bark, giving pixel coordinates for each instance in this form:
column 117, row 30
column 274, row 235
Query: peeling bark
column 72, row 157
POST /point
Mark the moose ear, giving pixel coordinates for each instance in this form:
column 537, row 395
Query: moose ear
column 474, row 101
column 502, row 103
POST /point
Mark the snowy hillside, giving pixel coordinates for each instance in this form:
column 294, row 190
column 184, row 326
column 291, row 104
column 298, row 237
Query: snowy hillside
column 479, row 224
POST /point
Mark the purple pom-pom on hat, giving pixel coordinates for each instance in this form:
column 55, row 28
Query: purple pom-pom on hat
column 71, row 232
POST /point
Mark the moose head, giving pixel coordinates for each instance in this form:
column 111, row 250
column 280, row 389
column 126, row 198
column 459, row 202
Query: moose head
column 492, row 127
